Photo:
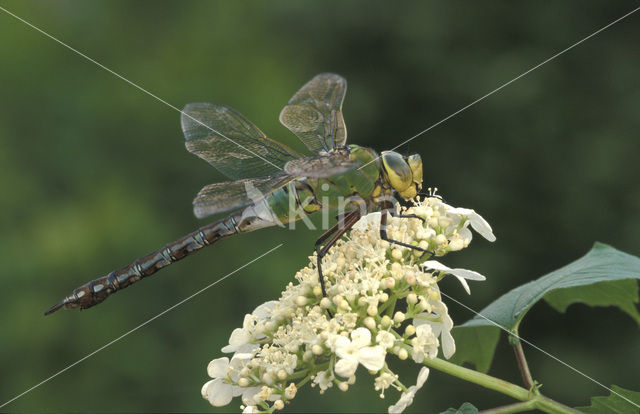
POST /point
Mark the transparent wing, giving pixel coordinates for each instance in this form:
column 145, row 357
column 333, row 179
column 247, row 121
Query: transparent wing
column 321, row 166
column 220, row 197
column 314, row 113
column 231, row 143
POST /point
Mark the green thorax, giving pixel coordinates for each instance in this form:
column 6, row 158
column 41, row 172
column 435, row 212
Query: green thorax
column 359, row 182
column 311, row 194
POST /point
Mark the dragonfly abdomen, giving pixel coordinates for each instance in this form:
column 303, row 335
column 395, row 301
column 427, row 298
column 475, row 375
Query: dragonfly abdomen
column 96, row 291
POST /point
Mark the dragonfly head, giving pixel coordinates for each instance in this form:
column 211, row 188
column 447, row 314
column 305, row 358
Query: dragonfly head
column 403, row 173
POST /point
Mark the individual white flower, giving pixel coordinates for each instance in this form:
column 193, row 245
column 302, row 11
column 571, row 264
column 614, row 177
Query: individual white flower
column 385, row 339
column 384, row 381
column 250, row 409
column 478, row 223
column 222, row 388
column 218, row 392
column 357, row 350
column 441, row 325
column 425, row 344
column 406, row 399
column 460, row 274
column 324, row 380
column 241, row 339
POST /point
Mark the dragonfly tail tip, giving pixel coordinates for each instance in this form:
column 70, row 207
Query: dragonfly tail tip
column 54, row 308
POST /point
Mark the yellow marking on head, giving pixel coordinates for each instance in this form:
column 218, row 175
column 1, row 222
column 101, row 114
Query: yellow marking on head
column 404, row 174
column 397, row 169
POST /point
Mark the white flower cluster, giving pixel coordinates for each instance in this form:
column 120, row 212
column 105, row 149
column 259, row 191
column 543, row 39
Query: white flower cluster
column 381, row 299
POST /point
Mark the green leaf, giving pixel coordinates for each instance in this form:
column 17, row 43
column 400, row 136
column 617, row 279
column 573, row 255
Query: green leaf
column 478, row 347
column 466, row 408
column 617, row 402
column 603, row 277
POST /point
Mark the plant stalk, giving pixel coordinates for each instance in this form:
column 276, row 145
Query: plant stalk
column 527, row 379
column 536, row 400
column 511, row 408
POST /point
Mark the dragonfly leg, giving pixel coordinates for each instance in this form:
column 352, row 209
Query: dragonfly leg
column 393, row 213
column 345, row 222
column 383, row 233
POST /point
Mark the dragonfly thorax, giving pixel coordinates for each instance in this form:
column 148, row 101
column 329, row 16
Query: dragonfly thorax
column 403, row 174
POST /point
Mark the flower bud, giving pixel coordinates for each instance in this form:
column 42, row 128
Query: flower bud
column 441, row 240
column 383, row 297
column 372, row 310
column 398, row 317
column 317, row 291
column 278, row 405
column 325, row 303
column 456, row 244
column 385, row 322
column 343, row 386
column 411, row 280
column 412, row 298
column 267, row 379
column 388, row 283
column 403, row 354
column 301, row 301
column 370, row 323
column 290, row 391
column 243, row 382
column 282, row 375
column 269, row 326
column 317, row 349
column 409, row 330
column 396, row 254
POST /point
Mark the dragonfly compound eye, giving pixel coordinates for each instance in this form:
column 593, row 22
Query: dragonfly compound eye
column 399, row 173
column 415, row 163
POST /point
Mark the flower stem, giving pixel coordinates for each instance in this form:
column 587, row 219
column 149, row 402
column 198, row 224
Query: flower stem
column 511, row 408
column 533, row 397
column 523, row 366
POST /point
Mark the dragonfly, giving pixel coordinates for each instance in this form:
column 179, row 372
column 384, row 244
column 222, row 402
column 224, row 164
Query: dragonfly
column 272, row 184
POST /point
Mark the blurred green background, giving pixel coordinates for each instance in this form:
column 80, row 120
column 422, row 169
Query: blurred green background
column 94, row 174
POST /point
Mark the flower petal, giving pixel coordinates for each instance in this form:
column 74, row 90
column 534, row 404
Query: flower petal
column 372, row 219
column 460, row 274
column 372, row 357
column 218, row 393
column 263, row 311
column 346, row 367
column 238, row 338
column 422, row 377
column 448, row 344
column 218, row 368
column 248, row 394
column 478, row 223
column 405, row 400
column 361, row 337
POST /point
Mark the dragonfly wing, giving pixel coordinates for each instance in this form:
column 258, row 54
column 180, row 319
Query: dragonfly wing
column 321, row 166
column 314, row 113
column 231, row 143
column 221, row 197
